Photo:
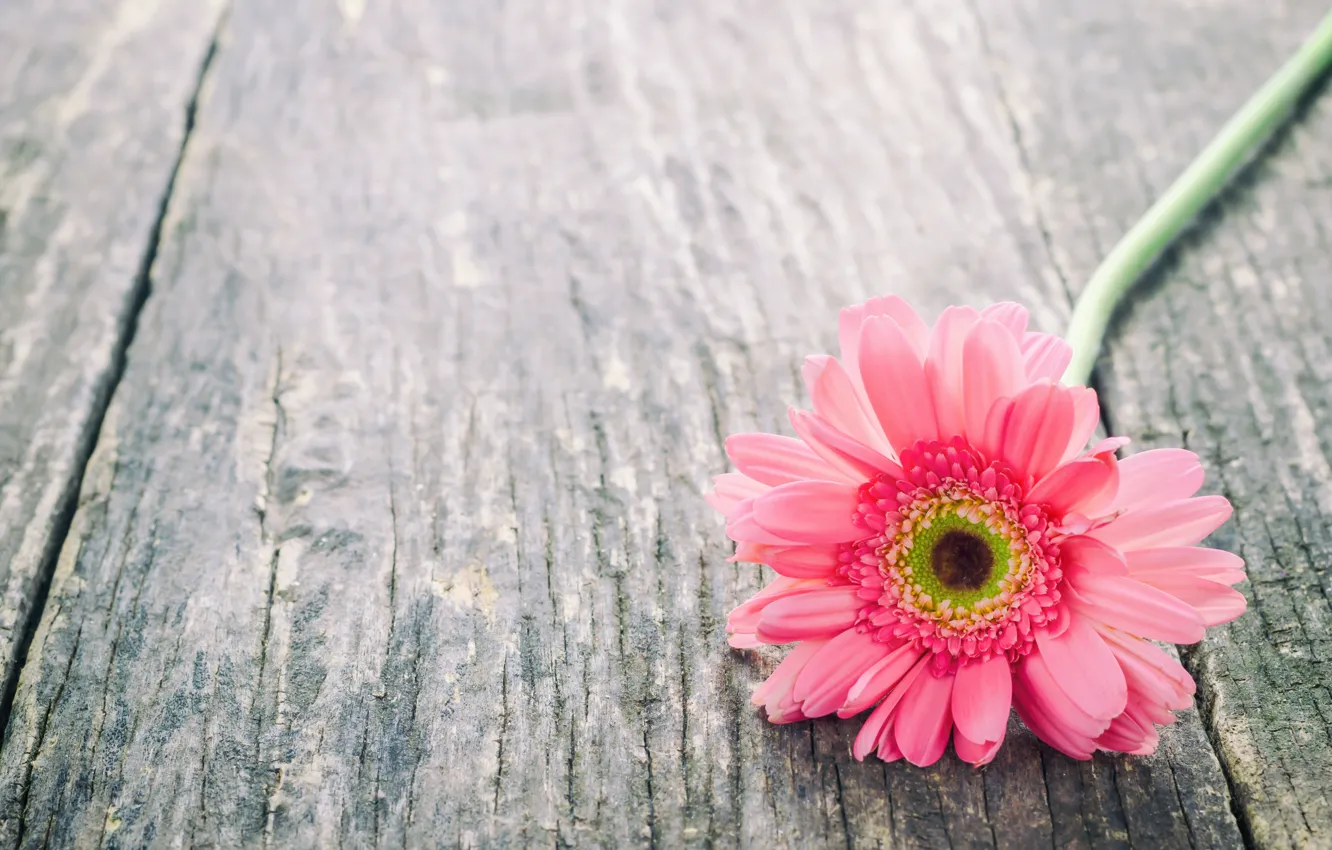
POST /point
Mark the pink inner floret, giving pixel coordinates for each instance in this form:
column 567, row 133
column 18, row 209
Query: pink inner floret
column 953, row 478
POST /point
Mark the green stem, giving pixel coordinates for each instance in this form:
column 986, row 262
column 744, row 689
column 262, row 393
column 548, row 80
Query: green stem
column 1194, row 189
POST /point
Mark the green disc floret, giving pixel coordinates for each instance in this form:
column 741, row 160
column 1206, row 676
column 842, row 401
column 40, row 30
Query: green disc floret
column 957, row 558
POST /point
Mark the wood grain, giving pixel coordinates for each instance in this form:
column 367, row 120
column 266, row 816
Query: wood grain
column 393, row 534
column 90, row 134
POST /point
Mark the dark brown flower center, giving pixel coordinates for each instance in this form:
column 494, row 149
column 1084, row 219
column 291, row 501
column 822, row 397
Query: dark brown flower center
column 962, row 561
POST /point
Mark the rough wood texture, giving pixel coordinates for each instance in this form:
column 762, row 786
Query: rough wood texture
column 90, row 132
column 1226, row 351
column 394, row 534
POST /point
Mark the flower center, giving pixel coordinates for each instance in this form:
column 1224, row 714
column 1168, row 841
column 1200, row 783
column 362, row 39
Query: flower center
column 962, row 561
column 958, row 556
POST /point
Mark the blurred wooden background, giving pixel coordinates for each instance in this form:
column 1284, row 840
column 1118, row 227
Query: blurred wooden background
column 363, row 364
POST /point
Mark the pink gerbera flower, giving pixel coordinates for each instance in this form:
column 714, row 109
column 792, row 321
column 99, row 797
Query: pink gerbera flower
column 946, row 548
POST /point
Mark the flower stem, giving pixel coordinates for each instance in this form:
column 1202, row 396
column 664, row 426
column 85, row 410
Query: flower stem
column 1204, row 179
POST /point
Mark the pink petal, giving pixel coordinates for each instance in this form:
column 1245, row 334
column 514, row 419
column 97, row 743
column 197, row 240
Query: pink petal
column 743, row 620
column 810, row 512
column 822, row 686
column 1085, row 668
column 850, row 326
column 1215, row 603
column 742, row 527
column 993, row 370
column 1151, row 673
column 732, row 488
column 1109, row 445
column 838, row 399
column 944, row 367
column 1215, row 564
column 1048, row 711
column 773, row 459
column 1127, row 735
column 1012, row 316
column 990, row 442
column 976, row 753
column 1041, row 683
column 982, row 698
column 785, row 711
column 1038, row 429
column 877, row 681
column 777, row 687
column 820, row 613
column 1128, row 604
column 925, row 719
column 1037, row 719
column 1047, row 357
column 812, row 369
column 1086, row 416
column 750, row 553
column 895, row 382
column 1180, row 523
column 802, row 561
column 853, row 458
column 1156, row 477
column 872, row 730
column 876, row 732
column 1085, row 486
column 1146, row 712
column 783, row 585
column 888, row 750
column 1092, row 555
column 744, row 640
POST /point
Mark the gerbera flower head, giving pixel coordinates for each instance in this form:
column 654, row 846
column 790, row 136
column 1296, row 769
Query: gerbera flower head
column 947, row 546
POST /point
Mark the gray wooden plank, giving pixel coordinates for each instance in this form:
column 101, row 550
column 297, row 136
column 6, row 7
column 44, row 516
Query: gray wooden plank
column 1225, row 351
column 93, row 100
column 394, row 531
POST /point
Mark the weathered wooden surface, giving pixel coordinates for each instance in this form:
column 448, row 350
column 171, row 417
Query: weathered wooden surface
column 89, row 139
column 394, row 533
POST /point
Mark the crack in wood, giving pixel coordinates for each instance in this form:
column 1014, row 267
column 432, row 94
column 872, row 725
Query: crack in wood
column 31, row 614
